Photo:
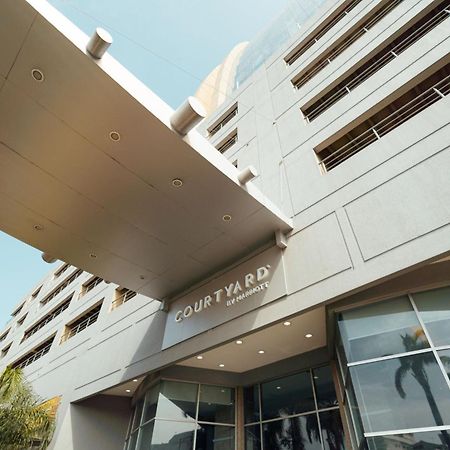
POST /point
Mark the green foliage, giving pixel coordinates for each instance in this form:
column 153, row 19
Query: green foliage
column 24, row 420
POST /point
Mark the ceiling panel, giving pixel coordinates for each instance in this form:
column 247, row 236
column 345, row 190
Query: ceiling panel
column 277, row 341
column 13, row 32
column 114, row 199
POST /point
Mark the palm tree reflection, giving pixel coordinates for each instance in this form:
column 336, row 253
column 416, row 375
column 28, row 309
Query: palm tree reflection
column 302, row 433
column 415, row 365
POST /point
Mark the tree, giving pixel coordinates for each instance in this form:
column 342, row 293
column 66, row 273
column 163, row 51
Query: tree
column 25, row 422
column 415, row 365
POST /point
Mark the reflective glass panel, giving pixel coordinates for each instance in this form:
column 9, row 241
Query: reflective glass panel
column 132, row 441
column 287, row 396
column 353, row 412
column 253, row 437
column 251, row 404
column 292, row 434
column 151, row 400
column 332, row 431
column 215, row 437
column 445, row 358
column 434, row 309
column 380, row 329
column 137, row 414
column 177, row 400
column 435, row 440
column 216, row 404
column 325, row 393
column 401, row 393
column 170, row 435
column 145, row 439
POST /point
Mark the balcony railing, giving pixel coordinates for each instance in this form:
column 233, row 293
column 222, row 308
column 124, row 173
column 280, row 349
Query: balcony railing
column 47, row 319
column 123, row 298
column 307, row 45
column 91, row 285
column 35, row 356
column 80, row 327
column 229, row 142
column 389, row 123
column 406, row 40
column 224, row 121
column 302, row 79
column 61, row 287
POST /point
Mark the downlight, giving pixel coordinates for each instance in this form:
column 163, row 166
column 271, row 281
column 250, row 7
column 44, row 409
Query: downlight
column 37, row 75
column 177, row 182
column 114, row 136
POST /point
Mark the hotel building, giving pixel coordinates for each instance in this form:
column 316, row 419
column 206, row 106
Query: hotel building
column 276, row 278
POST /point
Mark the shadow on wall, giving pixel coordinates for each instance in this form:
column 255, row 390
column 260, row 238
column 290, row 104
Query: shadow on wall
column 100, row 423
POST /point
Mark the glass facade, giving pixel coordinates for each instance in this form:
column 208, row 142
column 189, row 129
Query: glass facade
column 394, row 358
column 284, row 27
column 183, row 416
column 299, row 411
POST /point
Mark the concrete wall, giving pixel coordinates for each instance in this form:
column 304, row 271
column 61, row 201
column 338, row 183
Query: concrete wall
column 382, row 213
column 93, row 424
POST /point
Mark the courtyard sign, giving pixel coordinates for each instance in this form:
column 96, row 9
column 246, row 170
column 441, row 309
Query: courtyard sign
column 234, row 293
column 230, row 294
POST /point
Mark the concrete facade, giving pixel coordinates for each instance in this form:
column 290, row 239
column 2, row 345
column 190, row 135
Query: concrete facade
column 376, row 226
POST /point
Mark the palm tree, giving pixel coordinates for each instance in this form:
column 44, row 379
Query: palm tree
column 25, row 421
column 415, row 365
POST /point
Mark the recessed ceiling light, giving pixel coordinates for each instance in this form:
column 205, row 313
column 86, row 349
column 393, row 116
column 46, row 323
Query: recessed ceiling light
column 177, row 182
column 261, row 352
column 239, row 342
column 199, row 357
column 226, row 218
column 128, row 390
column 38, row 227
column 38, row 75
column 221, row 365
column 308, row 335
column 316, row 377
column 93, row 256
column 278, row 387
column 287, row 323
column 135, row 380
column 114, row 136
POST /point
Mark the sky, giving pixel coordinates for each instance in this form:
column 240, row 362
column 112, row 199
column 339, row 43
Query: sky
column 170, row 45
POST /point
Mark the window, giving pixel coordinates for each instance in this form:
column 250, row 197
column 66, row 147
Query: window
column 21, row 321
column 187, row 416
column 35, row 354
column 80, row 324
column 327, row 25
column 122, row 296
column 381, row 59
column 228, row 142
column 36, row 293
column 4, row 335
column 5, row 351
column 394, row 362
column 226, row 117
column 16, row 312
column 351, row 37
column 48, row 318
column 420, row 97
column 91, row 284
column 297, row 411
column 61, row 270
column 61, row 287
